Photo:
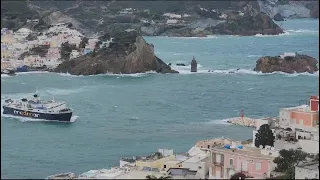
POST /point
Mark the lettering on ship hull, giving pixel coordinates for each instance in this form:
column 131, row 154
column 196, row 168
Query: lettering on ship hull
column 25, row 113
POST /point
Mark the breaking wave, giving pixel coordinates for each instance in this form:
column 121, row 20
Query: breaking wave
column 201, row 70
column 111, row 74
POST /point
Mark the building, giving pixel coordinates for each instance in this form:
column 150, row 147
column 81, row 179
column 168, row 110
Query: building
column 227, row 161
column 74, row 54
column 22, row 33
column 213, row 142
column 287, row 55
column 300, row 117
column 307, row 171
column 5, row 64
column 6, row 31
column 87, row 50
column 92, row 43
column 172, row 15
column 199, row 164
column 172, row 21
column 53, row 53
column 181, row 173
column 36, row 61
column 314, row 103
column 155, row 160
column 74, row 40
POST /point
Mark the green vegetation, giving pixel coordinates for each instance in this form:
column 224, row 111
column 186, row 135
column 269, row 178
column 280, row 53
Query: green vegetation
column 287, row 160
column 264, row 136
column 238, row 176
column 154, row 177
column 14, row 14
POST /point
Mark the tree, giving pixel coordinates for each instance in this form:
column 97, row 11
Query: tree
column 238, row 176
column 83, row 42
column 264, row 136
column 154, row 177
column 287, row 160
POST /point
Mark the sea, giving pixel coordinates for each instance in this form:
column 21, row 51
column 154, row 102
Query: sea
column 127, row 115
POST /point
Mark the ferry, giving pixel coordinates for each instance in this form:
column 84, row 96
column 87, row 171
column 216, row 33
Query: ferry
column 37, row 109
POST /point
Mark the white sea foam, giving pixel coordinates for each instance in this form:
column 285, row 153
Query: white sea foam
column 286, row 33
column 202, row 70
column 26, row 119
column 111, row 74
column 218, row 121
column 254, row 55
column 305, row 31
column 56, row 91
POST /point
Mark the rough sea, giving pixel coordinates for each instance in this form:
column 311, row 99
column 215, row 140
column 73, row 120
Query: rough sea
column 127, row 115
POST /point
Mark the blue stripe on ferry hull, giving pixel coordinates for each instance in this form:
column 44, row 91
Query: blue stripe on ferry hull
column 65, row 117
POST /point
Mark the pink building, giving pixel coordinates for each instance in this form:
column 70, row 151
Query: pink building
column 250, row 161
column 53, row 53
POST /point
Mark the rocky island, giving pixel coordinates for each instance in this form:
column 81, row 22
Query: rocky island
column 288, row 63
column 126, row 53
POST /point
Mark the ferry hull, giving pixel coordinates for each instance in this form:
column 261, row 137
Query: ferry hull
column 65, row 117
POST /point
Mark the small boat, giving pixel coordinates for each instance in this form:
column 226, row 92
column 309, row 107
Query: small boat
column 9, row 72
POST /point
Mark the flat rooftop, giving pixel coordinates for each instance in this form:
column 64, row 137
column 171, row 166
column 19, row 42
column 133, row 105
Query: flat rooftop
column 246, row 151
column 311, row 166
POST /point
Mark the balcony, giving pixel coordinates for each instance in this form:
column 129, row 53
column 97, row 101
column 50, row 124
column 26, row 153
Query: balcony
column 218, row 164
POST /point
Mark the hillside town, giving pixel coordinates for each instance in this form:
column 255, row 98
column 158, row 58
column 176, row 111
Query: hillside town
column 296, row 131
column 19, row 49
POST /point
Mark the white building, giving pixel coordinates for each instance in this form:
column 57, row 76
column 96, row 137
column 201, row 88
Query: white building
column 92, row 42
column 74, row 40
column 36, row 61
column 307, row 171
column 22, row 33
column 172, row 15
column 172, row 21
column 287, row 55
column 74, row 54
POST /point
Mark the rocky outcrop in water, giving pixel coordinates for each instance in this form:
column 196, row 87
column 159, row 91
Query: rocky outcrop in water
column 128, row 53
column 298, row 64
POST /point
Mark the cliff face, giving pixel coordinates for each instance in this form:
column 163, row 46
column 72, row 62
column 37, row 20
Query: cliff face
column 247, row 26
column 128, row 53
column 297, row 64
column 290, row 8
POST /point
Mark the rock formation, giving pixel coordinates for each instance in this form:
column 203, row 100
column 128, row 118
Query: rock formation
column 128, row 53
column 298, row 64
column 278, row 17
column 248, row 25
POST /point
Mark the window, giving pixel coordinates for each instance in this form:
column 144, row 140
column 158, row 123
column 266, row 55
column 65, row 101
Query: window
column 258, row 166
column 244, row 165
column 218, row 158
column 231, row 162
column 301, row 122
column 164, row 166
